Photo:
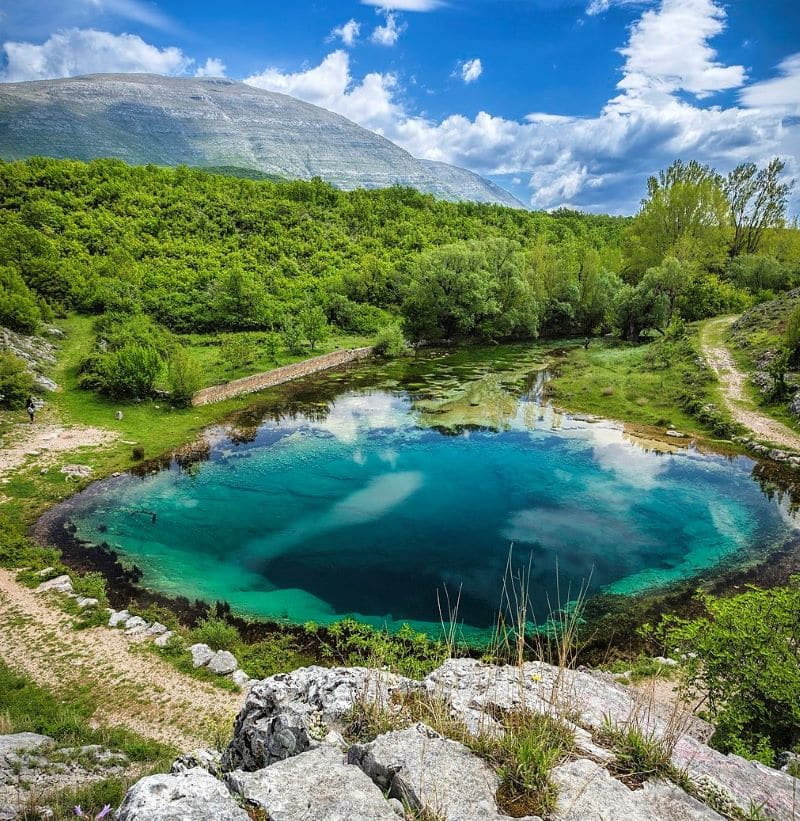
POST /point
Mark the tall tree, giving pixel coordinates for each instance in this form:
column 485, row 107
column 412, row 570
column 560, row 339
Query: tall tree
column 684, row 215
column 757, row 200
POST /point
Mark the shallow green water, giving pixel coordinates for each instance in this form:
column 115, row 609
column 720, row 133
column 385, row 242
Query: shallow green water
column 367, row 493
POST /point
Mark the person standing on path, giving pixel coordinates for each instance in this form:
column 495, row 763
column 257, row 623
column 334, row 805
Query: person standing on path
column 30, row 406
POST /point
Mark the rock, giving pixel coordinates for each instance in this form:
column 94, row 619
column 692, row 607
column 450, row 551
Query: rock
column 194, row 795
column 17, row 743
column 135, row 623
column 794, row 405
column 222, row 663
column 156, row 629
column 667, row 662
column 86, row 601
column 45, row 383
column 289, row 713
column 241, row 679
column 206, row 759
column 587, row 790
column 118, row 617
column 164, row 639
column 118, row 416
column 317, row 785
column 60, row 584
column 76, row 471
column 675, row 434
column 201, row 654
column 45, row 571
column 424, row 770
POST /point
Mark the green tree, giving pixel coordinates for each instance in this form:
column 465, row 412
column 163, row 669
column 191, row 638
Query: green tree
column 185, row 377
column 18, row 307
column 744, row 653
column 293, row 336
column 792, row 337
column 16, row 384
column 314, row 325
column 636, row 310
column 389, row 341
column 684, row 215
column 272, row 344
column 757, row 200
column 236, row 351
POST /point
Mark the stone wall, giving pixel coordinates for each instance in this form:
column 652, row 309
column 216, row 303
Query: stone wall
column 277, row 376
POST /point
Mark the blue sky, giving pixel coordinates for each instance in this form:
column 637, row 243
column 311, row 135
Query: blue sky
column 564, row 102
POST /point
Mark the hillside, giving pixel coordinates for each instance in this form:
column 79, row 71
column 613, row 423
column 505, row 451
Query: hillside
column 141, row 119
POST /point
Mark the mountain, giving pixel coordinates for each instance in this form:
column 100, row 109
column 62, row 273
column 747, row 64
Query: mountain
column 144, row 118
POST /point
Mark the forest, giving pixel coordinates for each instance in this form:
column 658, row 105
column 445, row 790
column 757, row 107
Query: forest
column 154, row 253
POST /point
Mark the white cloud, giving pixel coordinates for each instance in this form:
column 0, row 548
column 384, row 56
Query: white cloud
column 330, row 85
column 405, row 5
column 86, row 51
column 668, row 51
column 348, row 32
column 213, row 67
column 779, row 92
column 471, row 70
column 389, row 33
column 601, row 6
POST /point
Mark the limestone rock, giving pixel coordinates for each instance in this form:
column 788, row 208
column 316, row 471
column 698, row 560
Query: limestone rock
column 206, row 759
column 222, row 663
column 61, row 584
column 164, row 639
column 587, row 790
column 289, row 713
column 86, row 601
column 241, row 679
column 426, row 771
column 135, row 623
column 118, row 617
column 76, row 471
column 317, row 785
column 201, row 654
column 194, row 795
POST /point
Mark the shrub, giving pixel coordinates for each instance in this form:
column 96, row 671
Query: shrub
column 236, row 351
column 131, row 371
column 277, row 654
column 217, row 634
column 744, row 652
column 185, row 377
column 92, row 585
column 293, row 337
column 390, row 341
column 16, row 384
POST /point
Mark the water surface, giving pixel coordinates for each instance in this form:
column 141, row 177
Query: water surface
column 365, row 493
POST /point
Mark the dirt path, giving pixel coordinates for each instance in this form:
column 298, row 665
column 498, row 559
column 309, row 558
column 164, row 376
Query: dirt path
column 733, row 382
column 134, row 688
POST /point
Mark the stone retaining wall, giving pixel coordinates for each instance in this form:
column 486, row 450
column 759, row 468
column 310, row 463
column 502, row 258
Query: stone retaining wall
column 277, row 376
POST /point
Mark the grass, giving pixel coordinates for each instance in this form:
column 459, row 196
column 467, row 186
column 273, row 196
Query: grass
column 641, row 668
column 66, row 717
column 637, row 383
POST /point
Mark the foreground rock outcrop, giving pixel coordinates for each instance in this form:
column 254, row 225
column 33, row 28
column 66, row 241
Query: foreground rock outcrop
column 288, row 759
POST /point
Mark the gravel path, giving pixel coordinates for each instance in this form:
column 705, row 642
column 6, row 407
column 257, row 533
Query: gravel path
column 134, row 688
column 733, row 381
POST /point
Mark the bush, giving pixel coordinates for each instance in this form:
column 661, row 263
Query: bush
column 131, row 371
column 277, row 654
column 744, row 653
column 185, row 377
column 16, row 384
column 293, row 337
column 236, row 351
column 390, row 341
column 217, row 634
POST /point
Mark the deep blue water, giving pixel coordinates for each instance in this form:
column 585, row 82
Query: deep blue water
column 359, row 506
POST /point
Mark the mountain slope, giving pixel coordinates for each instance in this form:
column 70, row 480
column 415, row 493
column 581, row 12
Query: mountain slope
column 143, row 118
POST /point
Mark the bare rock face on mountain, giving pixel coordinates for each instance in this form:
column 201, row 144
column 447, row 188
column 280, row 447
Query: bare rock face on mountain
column 143, row 118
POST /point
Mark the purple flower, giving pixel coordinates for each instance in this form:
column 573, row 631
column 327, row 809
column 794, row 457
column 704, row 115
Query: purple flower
column 103, row 813
column 79, row 812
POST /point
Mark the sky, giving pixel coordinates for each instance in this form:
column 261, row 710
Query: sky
column 563, row 102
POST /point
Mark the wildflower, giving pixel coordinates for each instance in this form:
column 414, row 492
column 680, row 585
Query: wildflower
column 536, row 677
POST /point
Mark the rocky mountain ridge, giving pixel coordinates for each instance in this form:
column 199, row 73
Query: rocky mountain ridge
column 289, row 760
column 143, row 118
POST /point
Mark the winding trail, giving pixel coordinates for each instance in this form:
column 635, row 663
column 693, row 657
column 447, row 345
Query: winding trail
column 733, row 381
column 132, row 686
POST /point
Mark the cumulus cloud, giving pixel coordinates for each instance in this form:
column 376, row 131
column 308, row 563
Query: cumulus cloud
column 370, row 102
column 213, row 68
column 470, row 70
column 389, row 33
column 781, row 92
column 87, row 51
column 348, row 32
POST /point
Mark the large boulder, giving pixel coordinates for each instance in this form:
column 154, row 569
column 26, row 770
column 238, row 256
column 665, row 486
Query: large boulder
column 587, row 790
column 222, row 663
column 426, row 771
column 193, row 795
column 290, row 713
column 201, row 654
column 317, row 785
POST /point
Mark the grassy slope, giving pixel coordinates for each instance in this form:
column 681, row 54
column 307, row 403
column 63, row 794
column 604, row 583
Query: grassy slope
column 618, row 381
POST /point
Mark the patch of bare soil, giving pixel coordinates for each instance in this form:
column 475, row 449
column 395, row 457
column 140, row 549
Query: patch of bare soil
column 134, row 688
